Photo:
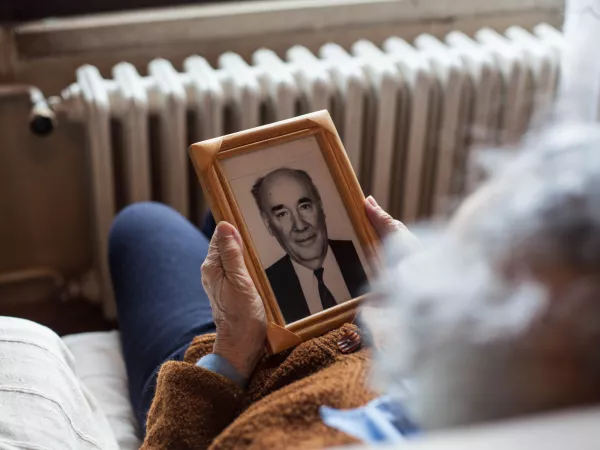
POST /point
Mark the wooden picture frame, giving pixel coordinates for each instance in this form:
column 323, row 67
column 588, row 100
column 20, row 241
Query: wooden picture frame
column 209, row 159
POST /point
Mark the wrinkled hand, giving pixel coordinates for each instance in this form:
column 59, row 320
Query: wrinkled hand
column 238, row 311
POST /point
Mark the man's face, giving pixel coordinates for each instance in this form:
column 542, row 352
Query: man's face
column 295, row 217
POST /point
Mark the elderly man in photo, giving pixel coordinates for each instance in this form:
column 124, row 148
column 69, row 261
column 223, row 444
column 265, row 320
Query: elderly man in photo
column 316, row 273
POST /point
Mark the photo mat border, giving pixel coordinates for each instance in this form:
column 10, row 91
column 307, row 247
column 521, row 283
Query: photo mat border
column 206, row 157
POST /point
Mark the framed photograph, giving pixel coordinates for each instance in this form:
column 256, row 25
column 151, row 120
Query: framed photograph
column 290, row 190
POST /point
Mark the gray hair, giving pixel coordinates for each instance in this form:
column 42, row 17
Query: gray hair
column 501, row 317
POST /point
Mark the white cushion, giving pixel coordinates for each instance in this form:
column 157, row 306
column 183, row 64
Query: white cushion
column 44, row 404
column 100, row 365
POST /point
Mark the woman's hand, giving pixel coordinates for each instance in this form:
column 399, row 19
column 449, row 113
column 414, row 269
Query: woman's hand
column 238, row 311
column 387, row 227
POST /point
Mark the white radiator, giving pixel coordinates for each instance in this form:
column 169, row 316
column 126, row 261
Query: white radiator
column 408, row 115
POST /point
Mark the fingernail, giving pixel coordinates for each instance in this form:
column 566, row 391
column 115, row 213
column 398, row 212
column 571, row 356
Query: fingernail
column 225, row 231
column 372, row 201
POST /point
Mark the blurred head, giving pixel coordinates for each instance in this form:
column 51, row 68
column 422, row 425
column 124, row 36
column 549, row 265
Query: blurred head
column 292, row 211
column 501, row 311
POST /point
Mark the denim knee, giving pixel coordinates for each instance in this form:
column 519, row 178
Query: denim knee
column 134, row 222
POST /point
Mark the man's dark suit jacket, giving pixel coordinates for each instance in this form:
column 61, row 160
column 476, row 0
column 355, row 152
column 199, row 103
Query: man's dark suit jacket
column 288, row 291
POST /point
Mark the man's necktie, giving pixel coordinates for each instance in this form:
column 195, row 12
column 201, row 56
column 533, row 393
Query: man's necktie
column 327, row 299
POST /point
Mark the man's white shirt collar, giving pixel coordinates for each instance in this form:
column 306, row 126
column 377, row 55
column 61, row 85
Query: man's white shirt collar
column 332, row 277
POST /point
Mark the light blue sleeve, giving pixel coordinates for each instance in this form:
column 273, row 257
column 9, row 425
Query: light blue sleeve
column 381, row 421
column 220, row 365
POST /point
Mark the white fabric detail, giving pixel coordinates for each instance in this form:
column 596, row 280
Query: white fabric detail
column 42, row 402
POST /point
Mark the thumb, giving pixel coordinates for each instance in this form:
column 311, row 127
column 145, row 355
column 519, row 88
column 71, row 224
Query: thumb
column 229, row 244
column 383, row 223
column 389, row 228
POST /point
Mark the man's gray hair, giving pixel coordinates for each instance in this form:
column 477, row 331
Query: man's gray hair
column 300, row 174
column 502, row 317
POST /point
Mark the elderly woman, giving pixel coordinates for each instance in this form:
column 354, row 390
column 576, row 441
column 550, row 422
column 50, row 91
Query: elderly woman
column 502, row 311
column 494, row 318
column 497, row 316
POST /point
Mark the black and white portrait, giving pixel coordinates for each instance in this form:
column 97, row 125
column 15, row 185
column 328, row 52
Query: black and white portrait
column 299, row 226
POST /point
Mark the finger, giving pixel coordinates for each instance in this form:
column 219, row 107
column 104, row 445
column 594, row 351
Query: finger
column 401, row 242
column 229, row 244
column 383, row 223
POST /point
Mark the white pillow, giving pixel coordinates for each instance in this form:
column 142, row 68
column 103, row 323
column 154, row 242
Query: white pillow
column 100, row 366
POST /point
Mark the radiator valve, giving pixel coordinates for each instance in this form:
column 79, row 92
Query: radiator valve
column 42, row 119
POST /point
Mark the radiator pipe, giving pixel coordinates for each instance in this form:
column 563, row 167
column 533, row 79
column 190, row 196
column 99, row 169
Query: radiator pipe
column 42, row 119
column 84, row 287
column 33, row 274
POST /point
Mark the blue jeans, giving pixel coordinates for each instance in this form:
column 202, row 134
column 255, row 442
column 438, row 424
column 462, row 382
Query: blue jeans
column 155, row 256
